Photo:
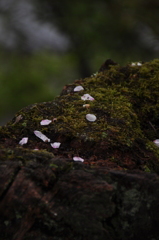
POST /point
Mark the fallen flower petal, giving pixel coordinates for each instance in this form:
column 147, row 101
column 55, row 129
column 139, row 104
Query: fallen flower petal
column 156, row 142
column 45, row 122
column 136, row 64
column 87, row 97
column 41, row 136
column 94, row 74
column 18, row 118
column 78, row 88
column 55, row 144
column 78, row 159
column 23, row 141
column 91, row 117
column 86, row 105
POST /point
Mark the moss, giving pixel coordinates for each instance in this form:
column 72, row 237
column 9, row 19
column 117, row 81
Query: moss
column 126, row 106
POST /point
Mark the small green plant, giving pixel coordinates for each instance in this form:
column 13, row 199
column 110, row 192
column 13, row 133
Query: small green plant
column 104, row 135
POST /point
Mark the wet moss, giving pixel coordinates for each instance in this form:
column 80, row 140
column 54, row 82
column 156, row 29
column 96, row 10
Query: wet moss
column 127, row 109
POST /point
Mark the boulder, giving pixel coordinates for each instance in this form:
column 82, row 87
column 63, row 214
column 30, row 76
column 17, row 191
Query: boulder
column 85, row 165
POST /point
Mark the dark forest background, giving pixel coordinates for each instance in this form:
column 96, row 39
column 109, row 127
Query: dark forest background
column 47, row 44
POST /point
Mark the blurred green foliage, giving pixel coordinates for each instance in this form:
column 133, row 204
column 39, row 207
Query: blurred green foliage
column 26, row 79
column 113, row 29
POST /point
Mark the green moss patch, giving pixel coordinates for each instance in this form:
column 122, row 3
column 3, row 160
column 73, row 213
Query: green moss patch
column 126, row 104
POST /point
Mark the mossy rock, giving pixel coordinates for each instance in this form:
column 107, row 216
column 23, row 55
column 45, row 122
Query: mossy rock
column 44, row 194
column 126, row 105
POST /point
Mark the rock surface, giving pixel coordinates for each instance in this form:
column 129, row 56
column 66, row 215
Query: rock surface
column 113, row 192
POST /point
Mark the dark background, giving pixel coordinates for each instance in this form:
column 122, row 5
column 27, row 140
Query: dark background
column 46, row 44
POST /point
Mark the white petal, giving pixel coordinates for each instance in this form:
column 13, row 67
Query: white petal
column 45, row 122
column 136, row 64
column 78, row 88
column 87, row 97
column 78, row 159
column 23, row 141
column 94, row 74
column 55, row 144
column 41, row 136
column 91, row 117
column 156, row 142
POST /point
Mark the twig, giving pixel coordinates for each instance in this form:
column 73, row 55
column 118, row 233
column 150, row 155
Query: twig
column 152, row 127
